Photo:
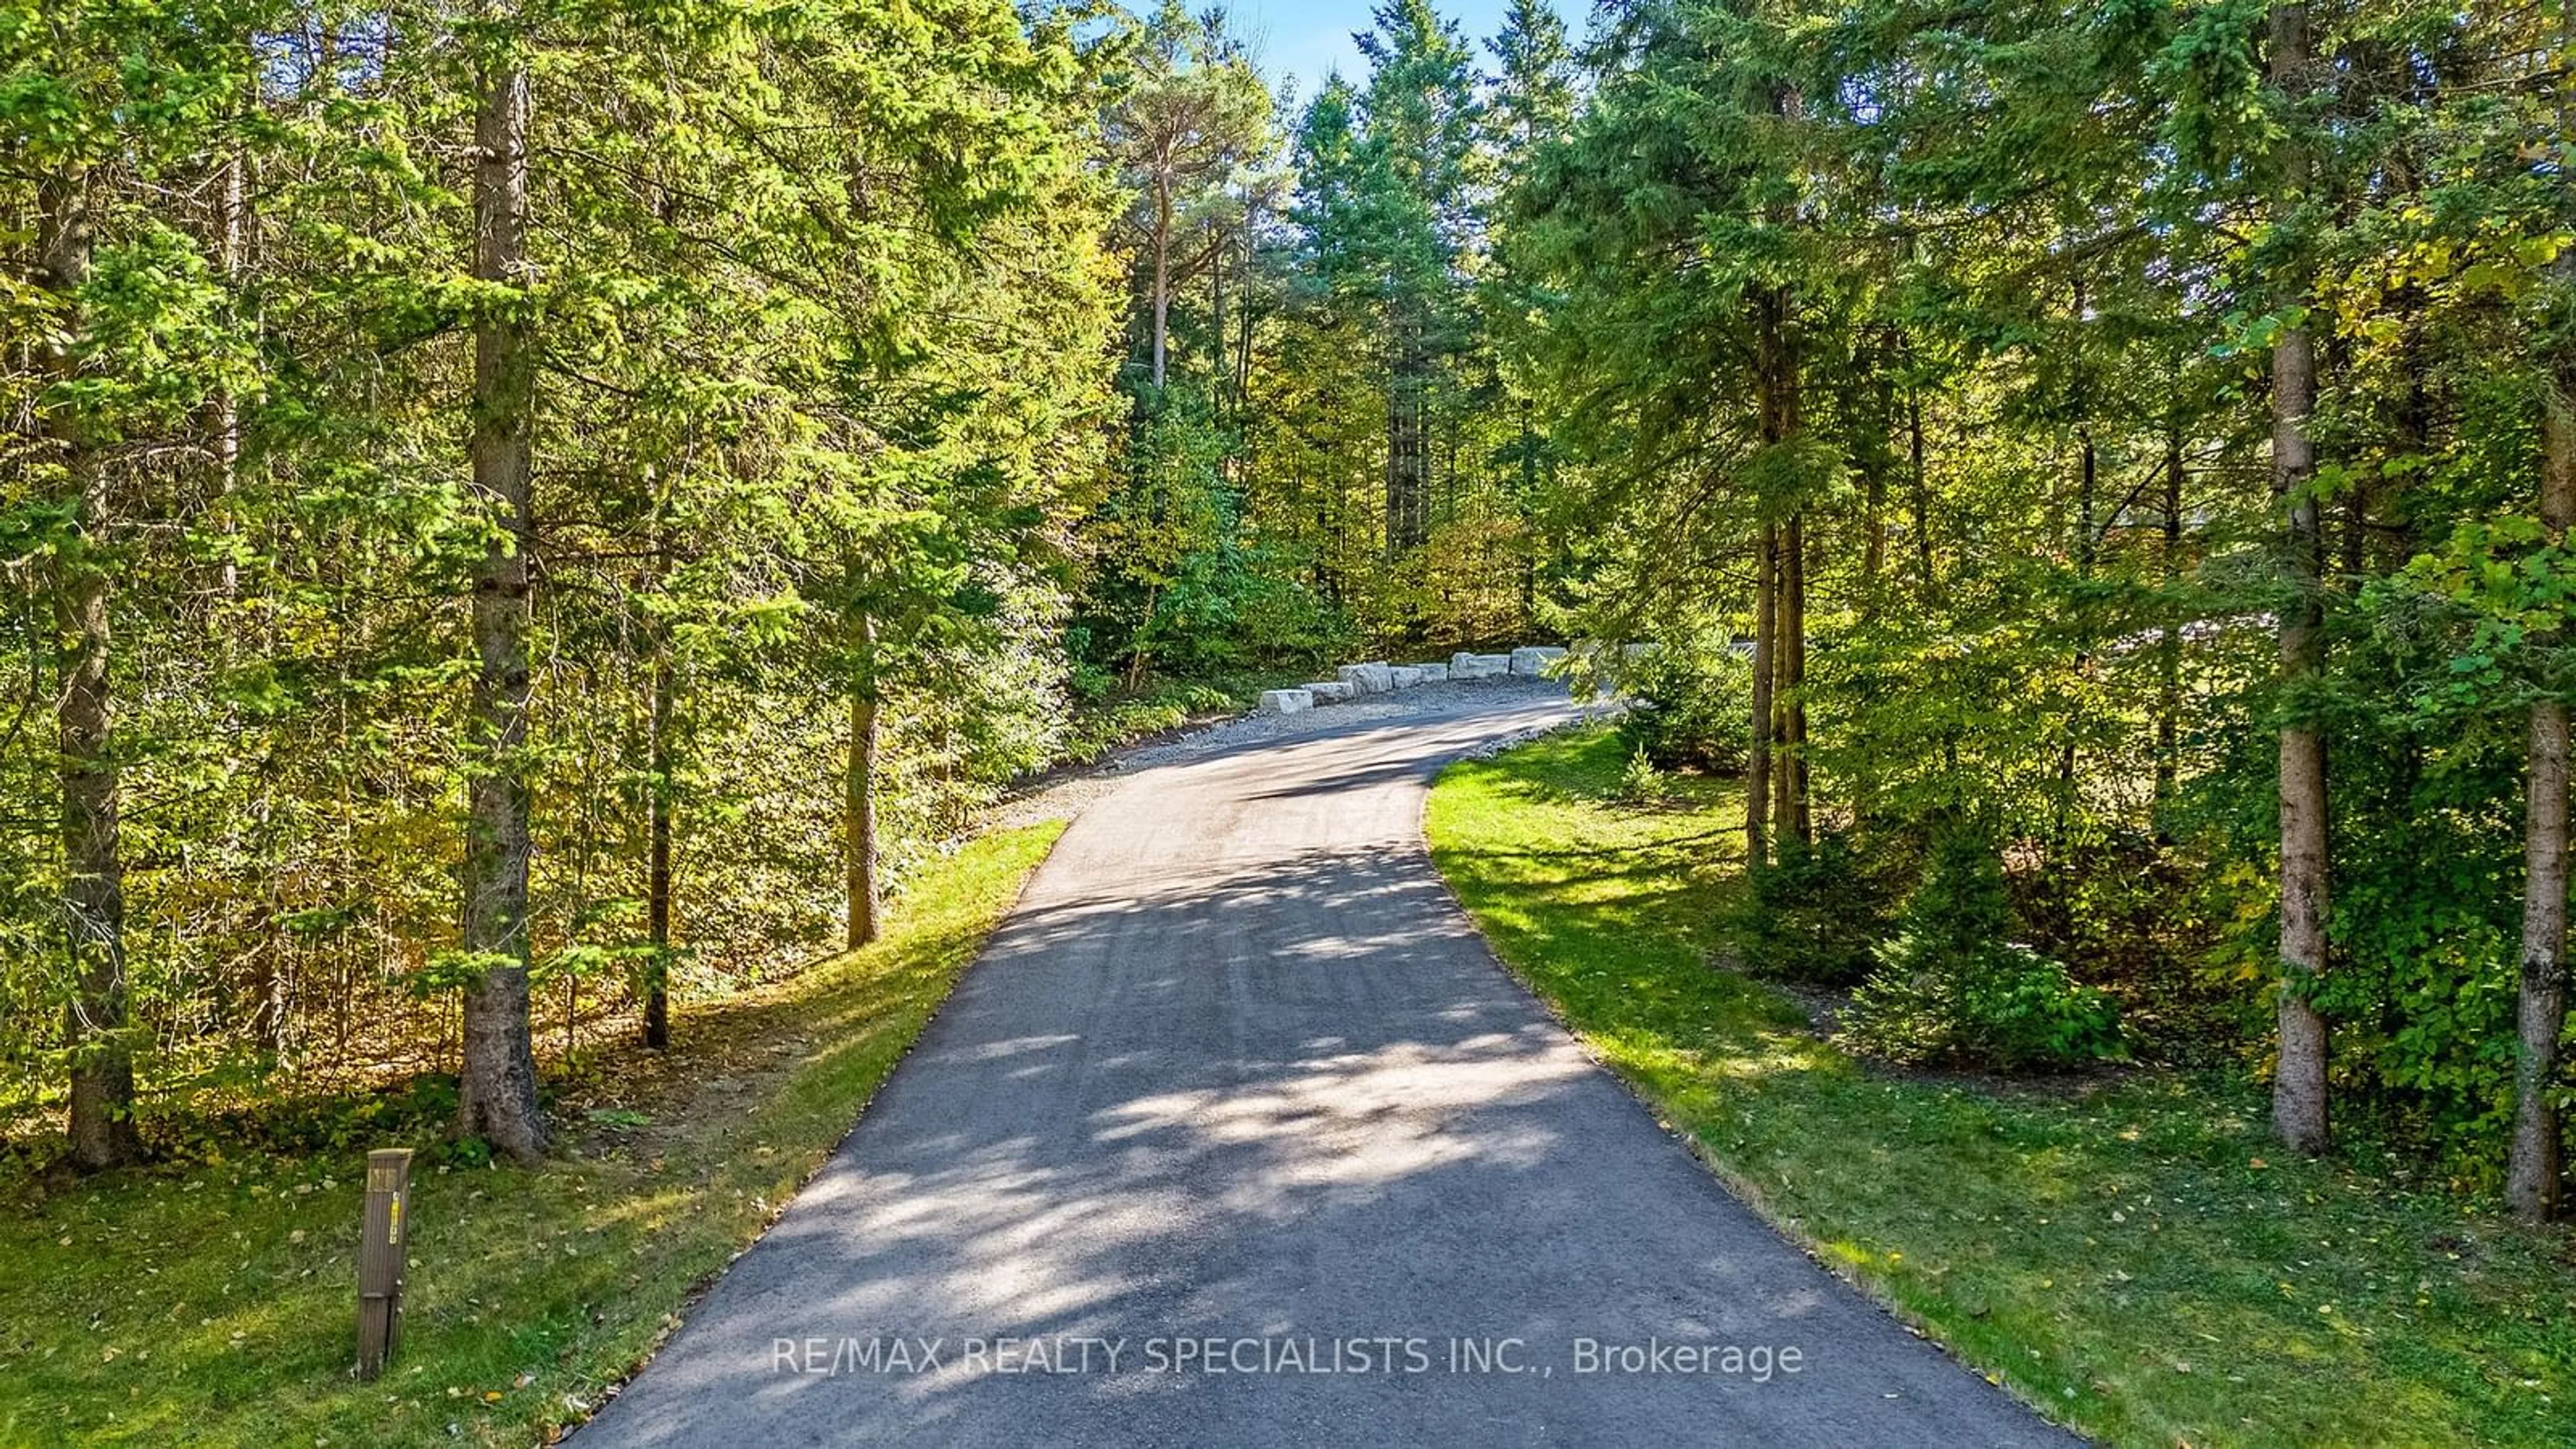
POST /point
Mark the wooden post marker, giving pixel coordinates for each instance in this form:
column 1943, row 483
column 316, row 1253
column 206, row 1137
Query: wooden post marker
column 380, row 1257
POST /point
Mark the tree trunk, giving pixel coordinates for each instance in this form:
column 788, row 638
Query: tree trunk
column 1873, row 544
column 1162, row 268
column 657, row 862
column 101, row 1119
column 659, row 753
column 232, row 215
column 1757, row 764
column 498, row 1094
column 102, row 1073
column 2299, row 1081
column 1407, row 486
column 1776, row 404
column 1791, row 643
column 859, row 800
column 2532, row 1166
column 2532, row 1170
column 1217, row 372
column 262, row 994
column 1528, row 510
column 2169, row 646
column 1783, row 768
column 1921, row 490
column 2088, row 463
column 1243, row 308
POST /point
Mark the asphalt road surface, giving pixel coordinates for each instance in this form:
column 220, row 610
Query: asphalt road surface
column 1236, row 1135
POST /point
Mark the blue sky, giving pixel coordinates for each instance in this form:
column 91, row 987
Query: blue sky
column 1305, row 38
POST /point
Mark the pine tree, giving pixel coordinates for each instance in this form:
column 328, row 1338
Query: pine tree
column 127, row 339
column 1192, row 113
column 497, row 1095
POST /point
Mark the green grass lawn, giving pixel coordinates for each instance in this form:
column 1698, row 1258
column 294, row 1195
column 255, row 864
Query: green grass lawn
column 214, row 1302
column 2132, row 1253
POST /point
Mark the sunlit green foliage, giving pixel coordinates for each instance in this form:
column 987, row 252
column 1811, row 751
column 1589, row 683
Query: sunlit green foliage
column 2035, row 261
column 820, row 294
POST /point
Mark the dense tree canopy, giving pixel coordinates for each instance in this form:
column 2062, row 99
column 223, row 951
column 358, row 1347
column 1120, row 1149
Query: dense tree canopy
column 518, row 512
column 771, row 327
column 2092, row 397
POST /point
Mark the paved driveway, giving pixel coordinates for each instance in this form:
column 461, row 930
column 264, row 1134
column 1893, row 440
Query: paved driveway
column 1236, row 1135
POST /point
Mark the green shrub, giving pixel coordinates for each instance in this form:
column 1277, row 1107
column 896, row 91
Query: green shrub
column 2151, row 928
column 1640, row 783
column 1950, row 988
column 2008, row 1008
column 1690, row 706
column 1820, row 911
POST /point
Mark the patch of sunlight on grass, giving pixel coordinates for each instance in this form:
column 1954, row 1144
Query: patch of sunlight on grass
column 1845, row 1252
column 1755, row 1067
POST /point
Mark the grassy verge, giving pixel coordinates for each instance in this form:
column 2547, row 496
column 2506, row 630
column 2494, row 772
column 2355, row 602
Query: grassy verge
column 2132, row 1253
column 213, row 1303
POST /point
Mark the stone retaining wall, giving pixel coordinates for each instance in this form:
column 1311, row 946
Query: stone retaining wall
column 1377, row 676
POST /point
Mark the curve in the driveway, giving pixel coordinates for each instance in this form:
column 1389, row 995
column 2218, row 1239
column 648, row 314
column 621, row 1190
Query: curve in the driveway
column 1236, row 1135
